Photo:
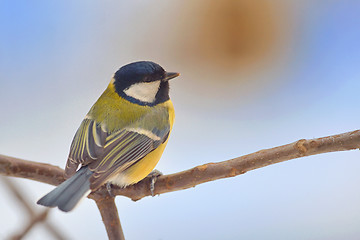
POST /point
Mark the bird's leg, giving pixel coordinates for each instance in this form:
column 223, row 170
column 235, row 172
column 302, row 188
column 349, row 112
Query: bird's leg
column 153, row 175
column 109, row 189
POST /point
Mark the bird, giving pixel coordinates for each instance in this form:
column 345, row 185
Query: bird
column 122, row 137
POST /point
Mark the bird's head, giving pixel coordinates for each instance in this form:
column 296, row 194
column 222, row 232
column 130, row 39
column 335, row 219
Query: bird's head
column 143, row 82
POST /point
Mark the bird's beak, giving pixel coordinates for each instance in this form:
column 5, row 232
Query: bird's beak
column 170, row 75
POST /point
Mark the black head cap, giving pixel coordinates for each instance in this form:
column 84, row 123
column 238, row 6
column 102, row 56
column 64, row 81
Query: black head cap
column 143, row 71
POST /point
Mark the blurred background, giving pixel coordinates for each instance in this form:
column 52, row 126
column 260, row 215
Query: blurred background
column 254, row 75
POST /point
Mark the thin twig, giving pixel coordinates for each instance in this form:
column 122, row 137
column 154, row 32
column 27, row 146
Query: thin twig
column 189, row 178
column 110, row 217
column 213, row 171
column 40, row 172
column 186, row 179
column 39, row 218
column 34, row 217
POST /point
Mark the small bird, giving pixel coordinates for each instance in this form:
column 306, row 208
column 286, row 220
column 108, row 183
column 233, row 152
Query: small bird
column 122, row 137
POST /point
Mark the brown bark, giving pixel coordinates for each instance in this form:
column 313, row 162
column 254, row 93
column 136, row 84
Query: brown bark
column 34, row 217
column 110, row 217
column 213, row 171
column 46, row 173
column 53, row 175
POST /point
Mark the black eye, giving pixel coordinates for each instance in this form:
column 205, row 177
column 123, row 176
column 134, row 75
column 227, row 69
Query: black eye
column 153, row 77
column 147, row 79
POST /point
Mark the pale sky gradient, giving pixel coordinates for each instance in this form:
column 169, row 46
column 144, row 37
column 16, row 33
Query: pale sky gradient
column 56, row 58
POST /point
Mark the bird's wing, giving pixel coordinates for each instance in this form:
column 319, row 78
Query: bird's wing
column 120, row 149
column 87, row 145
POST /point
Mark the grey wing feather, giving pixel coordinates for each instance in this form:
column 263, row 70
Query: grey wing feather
column 109, row 153
column 125, row 150
column 87, row 146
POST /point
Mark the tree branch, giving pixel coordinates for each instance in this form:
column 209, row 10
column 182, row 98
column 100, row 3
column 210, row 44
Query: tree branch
column 34, row 217
column 189, row 178
column 110, row 217
column 46, row 173
column 39, row 218
column 41, row 172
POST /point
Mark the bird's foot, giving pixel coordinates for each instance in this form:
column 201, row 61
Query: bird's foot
column 153, row 175
column 109, row 189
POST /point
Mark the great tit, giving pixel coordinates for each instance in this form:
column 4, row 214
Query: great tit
column 122, row 137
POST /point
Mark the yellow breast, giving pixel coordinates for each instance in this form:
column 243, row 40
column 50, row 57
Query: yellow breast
column 142, row 168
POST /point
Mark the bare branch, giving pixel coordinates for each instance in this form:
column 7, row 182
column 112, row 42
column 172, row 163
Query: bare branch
column 39, row 218
column 34, row 217
column 182, row 180
column 197, row 175
column 110, row 217
column 213, row 171
column 41, row 172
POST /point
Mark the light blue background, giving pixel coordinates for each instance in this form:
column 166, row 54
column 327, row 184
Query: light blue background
column 57, row 57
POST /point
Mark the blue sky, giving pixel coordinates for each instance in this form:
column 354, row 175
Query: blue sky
column 57, row 57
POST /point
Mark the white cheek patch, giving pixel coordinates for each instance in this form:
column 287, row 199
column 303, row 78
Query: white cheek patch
column 144, row 91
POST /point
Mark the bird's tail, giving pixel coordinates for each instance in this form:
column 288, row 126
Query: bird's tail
column 67, row 195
